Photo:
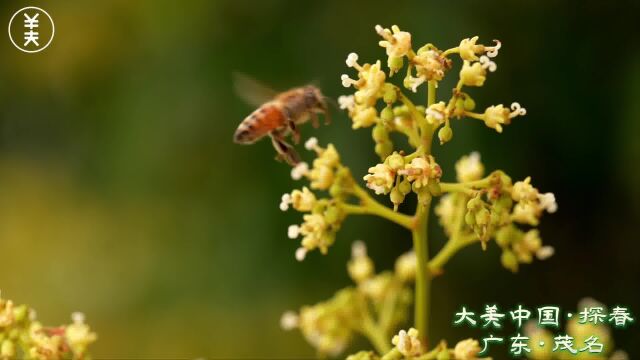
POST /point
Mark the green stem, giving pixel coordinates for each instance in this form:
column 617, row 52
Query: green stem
column 431, row 355
column 420, row 237
column 377, row 337
column 394, row 354
column 370, row 206
column 426, row 129
column 469, row 185
column 466, row 187
column 458, row 238
column 423, row 280
column 450, row 248
column 385, row 319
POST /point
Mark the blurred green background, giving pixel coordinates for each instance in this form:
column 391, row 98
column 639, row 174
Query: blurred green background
column 122, row 195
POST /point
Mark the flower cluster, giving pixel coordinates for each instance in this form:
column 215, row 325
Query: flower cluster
column 492, row 207
column 476, row 208
column 531, row 203
column 370, row 87
column 22, row 336
column 407, row 343
column 399, row 175
column 429, row 65
column 408, row 346
column 330, row 326
column 324, row 216
column 519, row 247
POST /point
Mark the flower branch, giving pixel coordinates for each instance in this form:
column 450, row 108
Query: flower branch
column 474, row 209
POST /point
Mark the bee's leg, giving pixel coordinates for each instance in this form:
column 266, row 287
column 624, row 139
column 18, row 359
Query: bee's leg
column 327, row 117
column 291, row 125
column 295, row 132
column 285, row 151
column 315, row 122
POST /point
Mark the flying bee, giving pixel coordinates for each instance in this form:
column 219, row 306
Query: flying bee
column 278, row 116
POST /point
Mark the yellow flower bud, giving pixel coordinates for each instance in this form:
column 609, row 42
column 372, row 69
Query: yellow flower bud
column 383, row 149
column 405, row 186
column 469, row 104
column 395, row 161
column 473, row 74
column 405, row 266
column 8, row 349
column 467, row 349
column 495, row 116
column 365, row 118
column 390, row 94
column 360, row 268
column 397, row 197
column 395, row 63
column 468, row 49
column 469, row 168
column 509, row 260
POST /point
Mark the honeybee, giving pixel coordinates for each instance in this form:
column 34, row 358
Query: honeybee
column 278, row 116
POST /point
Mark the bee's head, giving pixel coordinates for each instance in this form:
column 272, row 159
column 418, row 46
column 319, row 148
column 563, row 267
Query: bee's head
column 314, row 98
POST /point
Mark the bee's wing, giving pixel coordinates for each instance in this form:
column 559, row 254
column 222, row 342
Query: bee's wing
column 252, row 91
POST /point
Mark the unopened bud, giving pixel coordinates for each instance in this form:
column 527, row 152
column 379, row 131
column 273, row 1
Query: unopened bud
column 445, row 134
column 387, row 114
column 509, row 261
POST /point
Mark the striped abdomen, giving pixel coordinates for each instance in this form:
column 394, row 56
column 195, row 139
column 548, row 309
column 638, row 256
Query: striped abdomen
column 261, row 122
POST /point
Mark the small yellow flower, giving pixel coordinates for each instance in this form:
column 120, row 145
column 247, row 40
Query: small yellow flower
column 360, row 267
column 313, row 230
column 397, row 43
column 322, row 174
column 6, row 313
column 380, row 178
column 472, row 74
column 78, row 335
column 524, row 191
column 327, row 326
column 374, row 79
column 303, row 200
column 495, row 116
column 329, row 157
column 468, row 49
column 405, row 266
column 407, row 343
column 421, row 171
column 548, row 202
column 526, row 213
column 7, row 349
column 412, row 83
column 436, row 113
column 321, row 177
column 377, row 287
column 467, row 350
column 532, row 240
column 430, row 65
column 469, row 168
column 44, row 347
column 364, row 117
